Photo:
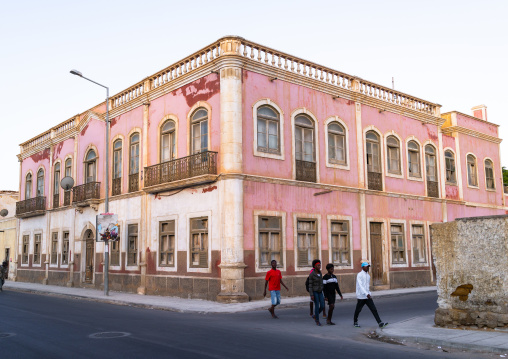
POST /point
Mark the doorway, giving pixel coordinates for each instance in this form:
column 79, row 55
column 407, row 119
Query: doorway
column 89, row 256
column 376, row 258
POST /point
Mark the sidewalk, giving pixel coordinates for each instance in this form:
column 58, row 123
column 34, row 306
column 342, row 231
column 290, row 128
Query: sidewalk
column 181, row 304
column 422, row 330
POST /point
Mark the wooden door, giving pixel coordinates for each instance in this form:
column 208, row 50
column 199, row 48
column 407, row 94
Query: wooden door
column 376, row 247
column 90, row 243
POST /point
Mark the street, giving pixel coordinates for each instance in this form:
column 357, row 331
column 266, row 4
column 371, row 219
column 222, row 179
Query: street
column 38, row 326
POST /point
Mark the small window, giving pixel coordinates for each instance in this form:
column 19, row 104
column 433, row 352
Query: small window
column 450, row 167
column 341, row 251
column 268, row 128
column 419, row 249
column 270, row 240
column 40, row 183
column 90, row 166
column 28, row 186
column 65, row 248
column 307, row 242
column 68, row 167
column 304, row 139
column 336, row 143
column 373, row 154
column 117, row 159
column 430, row 163
column 398, row 244
column 393, row 150
column 199, row 243
column 37, row 249
column 199, row 131
column 26, row 242
column 132, row 245
column 167, row 244
column 472, row 178
column 54, row 248
column 115, row 250
column 413, row 154
column 168, row 141
column 489, row 175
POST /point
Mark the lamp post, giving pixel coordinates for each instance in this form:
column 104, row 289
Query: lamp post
column 106, row 198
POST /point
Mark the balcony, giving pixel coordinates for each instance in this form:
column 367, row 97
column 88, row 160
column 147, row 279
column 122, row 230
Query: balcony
column 31, row 207
column 375, row 181
column 180, row 173
column 56, row 200
column 134, row 182
column 86, row 194
column 433, row 189
column 116, row 189
column 305, row 171
column 67, row 198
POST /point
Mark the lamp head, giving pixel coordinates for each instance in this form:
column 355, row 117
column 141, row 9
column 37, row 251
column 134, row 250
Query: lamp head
column 77, row 73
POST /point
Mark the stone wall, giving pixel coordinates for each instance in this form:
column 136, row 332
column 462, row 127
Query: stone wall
column 471, row 259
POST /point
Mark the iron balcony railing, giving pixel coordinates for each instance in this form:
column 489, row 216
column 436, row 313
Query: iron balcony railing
column 56, row 200
column 375, row 181
column 86, row 191
column 116, row 188
column 306, row 171
column 186, row 167
column 67, row 198
column 433, row 189
column 31, row 205
column 134, row 182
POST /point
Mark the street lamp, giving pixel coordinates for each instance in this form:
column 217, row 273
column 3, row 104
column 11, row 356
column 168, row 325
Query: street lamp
column 106, row 199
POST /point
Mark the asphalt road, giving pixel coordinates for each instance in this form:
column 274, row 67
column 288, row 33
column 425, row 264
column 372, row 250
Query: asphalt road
column 38, row 326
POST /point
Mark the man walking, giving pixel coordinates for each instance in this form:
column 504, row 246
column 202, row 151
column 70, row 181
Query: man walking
column 3, row 273
column 363, row 296
column 274, row 279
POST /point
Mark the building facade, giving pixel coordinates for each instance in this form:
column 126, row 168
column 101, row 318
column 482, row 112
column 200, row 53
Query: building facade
column 8, row 228
column 240, row 154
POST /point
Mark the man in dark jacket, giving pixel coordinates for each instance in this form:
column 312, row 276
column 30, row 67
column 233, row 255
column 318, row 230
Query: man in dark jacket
column 330, row 286
column 3, row 273
column 316, row 289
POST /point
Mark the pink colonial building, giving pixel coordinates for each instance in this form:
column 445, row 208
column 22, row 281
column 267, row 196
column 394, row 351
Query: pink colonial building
column 239, row 154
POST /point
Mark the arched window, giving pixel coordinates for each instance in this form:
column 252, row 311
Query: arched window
column 68, row 167
column 489, row 174
column 413, row 159
column 28, row 186
column 90, row 166
column 304, row 139
column 168, row 142
column 472, row 178
column 393, row 151
column 117, row 159
column 450, row 167
column 336, row 143
column 431, row 171
column 268, row 130
column 199, row 130
column 134, row 163
column 373, row 152
column 40, row 183
column 56, row 185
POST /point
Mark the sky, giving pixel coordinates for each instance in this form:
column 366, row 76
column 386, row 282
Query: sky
column 454, row 53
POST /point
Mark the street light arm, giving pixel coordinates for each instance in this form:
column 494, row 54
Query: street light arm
column 86, row 78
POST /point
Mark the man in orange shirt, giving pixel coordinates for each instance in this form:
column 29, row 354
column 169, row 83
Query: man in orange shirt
column 274, row 279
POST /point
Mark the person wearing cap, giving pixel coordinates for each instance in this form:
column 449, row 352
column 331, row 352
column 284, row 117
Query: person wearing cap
column 363, row 296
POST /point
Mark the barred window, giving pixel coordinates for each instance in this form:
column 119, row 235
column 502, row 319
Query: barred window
column 115, row 250
column 37, row 249
column 472, row 178
column 393, row 150
column 54, row 248
column 398, row 244
column 270, row 240
column 489, row 174
column 341, row 251
column 413, row 158
column 199, row 242
column 450, row 167
column 132, row 245
column 419, row 252
column 336, row 143
column 65, row 248
column 307, row 241
column 167, row 244
column 268, row 129
column 26, row 242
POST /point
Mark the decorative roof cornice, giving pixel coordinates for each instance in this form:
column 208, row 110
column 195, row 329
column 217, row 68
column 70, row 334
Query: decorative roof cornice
column 466, row 131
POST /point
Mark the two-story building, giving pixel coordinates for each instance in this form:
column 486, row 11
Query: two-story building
column 239, row 154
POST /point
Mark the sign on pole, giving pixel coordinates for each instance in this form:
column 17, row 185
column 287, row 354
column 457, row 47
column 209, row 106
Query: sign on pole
column 107, row 227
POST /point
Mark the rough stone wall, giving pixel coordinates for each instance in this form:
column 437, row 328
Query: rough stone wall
column 471, row 259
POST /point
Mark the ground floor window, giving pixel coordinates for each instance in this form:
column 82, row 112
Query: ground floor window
column 167, row 244
column 115, row 250
column 419, row 255
column 37, row 248
column 398, row 244
column 270, row 240
column 307, row 241
column 65, row 248
column 132, row 245
column 341, row 251
column 26, row 241
column 199, row 243
column 54, row 248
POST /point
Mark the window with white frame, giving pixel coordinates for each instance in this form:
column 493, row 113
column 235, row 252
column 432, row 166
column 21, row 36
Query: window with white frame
column 168, row 141
column 28, row 186
column 413, row 158
column 167, row 243
column 68, row 167
column 132, row 244
column 199, row 131
column 115, row 250
column 268, row 130
column 65, row 248
column 489, row 175
column 393, row 154
column 40, row 183
column 472, row 178
column 336, row 144
column 450, row 167
column 373, row 153
column 90, row 166
column 37, row 248
column 398, row 244
column 199, row 242
column 24, row 251
column 270, row 240
column 304, row 139
column 419, row 248
column 117, row 159
column 341, row 251
column 307, row 245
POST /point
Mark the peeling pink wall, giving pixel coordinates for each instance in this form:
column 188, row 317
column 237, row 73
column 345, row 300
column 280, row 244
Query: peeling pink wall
column 477, row 125
column 33, row 163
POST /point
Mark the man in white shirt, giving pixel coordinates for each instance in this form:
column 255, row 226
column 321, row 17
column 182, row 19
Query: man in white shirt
column 363, row 296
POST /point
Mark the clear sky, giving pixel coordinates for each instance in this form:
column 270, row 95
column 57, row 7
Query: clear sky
column 454, row 53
